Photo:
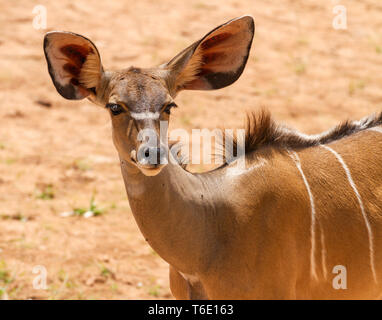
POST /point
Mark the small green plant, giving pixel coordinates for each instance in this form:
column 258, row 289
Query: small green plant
column 356, row 85
column 70, row 284
column 47, row 193
column 10, row 161
column 300, row 67
column 271, row 92
column 62, row 275
column 375, row 42
column 82, row 165
column 16, row 216
column 201, row 5
column 302, row 42
column 92, row 210
column 106, row 272
column 5, row 280
column 155, row 291
column 5, row 277
column 79, row 211
column 3, row 293
column 93, row 207
column 114, row 287
column 54, row 291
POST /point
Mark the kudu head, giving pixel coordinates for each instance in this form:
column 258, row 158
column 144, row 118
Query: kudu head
column 137, row 99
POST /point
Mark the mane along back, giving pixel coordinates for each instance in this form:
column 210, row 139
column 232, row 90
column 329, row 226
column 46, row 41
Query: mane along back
column 261, row 131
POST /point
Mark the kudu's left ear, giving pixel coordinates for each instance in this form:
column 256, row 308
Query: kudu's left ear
column 215, row 61
column 74, row 64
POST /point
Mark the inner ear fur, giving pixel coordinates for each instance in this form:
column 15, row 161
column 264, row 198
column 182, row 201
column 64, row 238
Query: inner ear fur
column 215, row 61
column 74, row 64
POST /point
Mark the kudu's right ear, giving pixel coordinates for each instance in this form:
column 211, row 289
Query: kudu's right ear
column 74, row 64
column 215, row 61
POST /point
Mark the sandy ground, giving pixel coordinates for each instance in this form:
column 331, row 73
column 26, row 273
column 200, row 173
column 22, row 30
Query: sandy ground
column 56, row 155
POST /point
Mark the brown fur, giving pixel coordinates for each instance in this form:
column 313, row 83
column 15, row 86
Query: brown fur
column 190, row 71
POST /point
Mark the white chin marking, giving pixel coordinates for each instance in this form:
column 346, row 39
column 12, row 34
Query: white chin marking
column 145, row 115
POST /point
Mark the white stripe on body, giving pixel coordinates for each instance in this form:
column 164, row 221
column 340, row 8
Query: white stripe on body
column 296, row 159
column 367, row 223
column 376, row 129
column 323, row 252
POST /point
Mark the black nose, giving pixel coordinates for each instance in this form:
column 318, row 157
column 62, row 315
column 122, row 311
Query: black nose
column 150, row 155
column 147, row 152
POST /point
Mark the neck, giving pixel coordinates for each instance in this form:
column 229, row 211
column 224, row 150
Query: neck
column 173, row 211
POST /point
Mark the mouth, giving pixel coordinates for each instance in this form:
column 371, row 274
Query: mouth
column 148, row 170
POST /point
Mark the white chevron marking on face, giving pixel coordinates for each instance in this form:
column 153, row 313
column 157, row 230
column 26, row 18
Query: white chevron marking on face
column 145, row 115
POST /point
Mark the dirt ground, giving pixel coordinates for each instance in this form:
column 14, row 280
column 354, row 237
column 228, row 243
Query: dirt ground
column 57, row 155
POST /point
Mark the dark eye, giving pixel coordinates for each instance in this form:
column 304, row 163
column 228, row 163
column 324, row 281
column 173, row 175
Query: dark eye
column 169, row 106
column 115, row 108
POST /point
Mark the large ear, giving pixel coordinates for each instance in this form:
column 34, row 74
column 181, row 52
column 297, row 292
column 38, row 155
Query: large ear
column 74, row 64
column 215, row 61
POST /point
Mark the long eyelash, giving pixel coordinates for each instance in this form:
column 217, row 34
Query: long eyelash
column 168, row 107
column 172, row 105
column 108, row 105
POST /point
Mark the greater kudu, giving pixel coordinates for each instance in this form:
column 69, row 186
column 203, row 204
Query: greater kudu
column 303, row 205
